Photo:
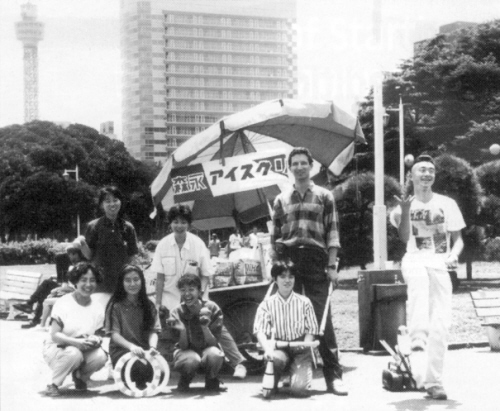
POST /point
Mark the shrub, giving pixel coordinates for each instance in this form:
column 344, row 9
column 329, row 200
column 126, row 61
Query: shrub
column 492, row 250
column 30, row 252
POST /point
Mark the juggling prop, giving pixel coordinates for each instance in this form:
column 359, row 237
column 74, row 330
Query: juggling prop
column 128, row 387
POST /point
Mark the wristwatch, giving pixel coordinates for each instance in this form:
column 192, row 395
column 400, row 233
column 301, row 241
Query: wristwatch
column 333, row 266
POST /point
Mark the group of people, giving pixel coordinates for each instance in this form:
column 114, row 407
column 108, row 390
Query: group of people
column 235, row 242
column 305, row 243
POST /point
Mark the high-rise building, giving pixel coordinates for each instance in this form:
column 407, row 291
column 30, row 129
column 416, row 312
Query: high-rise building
column 108, row 129
column 186, row 64
column 30, row 32
column 450, row 30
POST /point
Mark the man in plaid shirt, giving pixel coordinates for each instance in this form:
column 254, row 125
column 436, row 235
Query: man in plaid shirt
column 306, row 231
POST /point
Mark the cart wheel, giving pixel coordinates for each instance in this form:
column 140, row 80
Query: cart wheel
column 238, row 318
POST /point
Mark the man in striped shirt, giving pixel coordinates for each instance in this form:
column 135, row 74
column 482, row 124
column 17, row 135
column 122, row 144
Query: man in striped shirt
column 306, row 231
column 290, row 317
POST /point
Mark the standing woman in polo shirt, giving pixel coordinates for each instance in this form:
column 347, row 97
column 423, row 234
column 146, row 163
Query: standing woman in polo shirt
column 110, row 241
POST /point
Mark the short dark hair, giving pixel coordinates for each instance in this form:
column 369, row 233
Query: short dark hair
column 300, row 150
column 80, row 270
column 180, row 210
column 189, row 280
column 280, row 266
column 424, row 158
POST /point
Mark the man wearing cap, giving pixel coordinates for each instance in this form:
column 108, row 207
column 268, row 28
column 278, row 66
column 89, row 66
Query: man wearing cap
column 430, row 224
column 306, row 232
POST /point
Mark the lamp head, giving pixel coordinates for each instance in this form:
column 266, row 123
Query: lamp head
column 66, row 175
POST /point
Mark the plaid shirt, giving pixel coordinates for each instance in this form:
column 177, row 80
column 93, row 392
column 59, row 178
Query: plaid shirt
column 309, row 221
column 291, row 319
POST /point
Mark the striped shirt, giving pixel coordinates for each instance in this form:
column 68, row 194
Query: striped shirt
column 291, row 319
column 306, row 221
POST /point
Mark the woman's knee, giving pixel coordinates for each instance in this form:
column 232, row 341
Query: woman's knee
column 187, row 361
column 70, row 354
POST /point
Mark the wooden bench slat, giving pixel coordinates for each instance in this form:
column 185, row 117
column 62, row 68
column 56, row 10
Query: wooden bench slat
column 481, row 295
column 18, row 290
column 24, row 274
column 22, row 278
column 488, row 312
column 13, row 296
column 490, row 302
column 15, row 283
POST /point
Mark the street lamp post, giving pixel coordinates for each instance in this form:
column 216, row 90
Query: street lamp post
column 401, row 141
column 77, row 178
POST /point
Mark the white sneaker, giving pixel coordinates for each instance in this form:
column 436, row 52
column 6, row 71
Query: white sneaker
column 240, row 372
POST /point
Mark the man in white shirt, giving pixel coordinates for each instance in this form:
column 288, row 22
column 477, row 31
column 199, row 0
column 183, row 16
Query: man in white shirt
column 182, row 253
column 430, row 224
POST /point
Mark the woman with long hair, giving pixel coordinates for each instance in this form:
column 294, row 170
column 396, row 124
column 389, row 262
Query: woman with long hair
column 132, row 323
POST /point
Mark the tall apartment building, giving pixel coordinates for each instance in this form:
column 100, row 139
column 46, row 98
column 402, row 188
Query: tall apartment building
column 187, row 63
column 449, row 30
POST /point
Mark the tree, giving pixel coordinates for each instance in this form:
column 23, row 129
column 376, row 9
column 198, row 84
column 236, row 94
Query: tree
column 34, row 198
column 355, row 201
column 451, row 95
column 489, row 177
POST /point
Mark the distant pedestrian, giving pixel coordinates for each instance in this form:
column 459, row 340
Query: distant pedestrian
column 430, row 224
column 235, row 241
column 214, row 246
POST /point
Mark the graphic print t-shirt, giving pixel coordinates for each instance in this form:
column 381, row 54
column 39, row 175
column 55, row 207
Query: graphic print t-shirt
column 431, row 224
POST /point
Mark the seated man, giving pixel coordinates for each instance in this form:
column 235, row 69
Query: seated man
column 51, row 286
column 290, row 317
column 198, row 324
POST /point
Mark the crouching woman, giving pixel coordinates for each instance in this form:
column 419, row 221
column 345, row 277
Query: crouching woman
column 73, row 348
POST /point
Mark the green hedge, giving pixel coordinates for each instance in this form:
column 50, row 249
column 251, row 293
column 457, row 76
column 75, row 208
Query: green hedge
column 30, row 252
column 43, row 252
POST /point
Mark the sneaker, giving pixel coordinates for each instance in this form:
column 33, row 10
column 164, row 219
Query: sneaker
column 437, row 393
column 337, row 387
column 286, row 380
column 80, row 385
column 31, row 324
column 24, row 307
column 52, row 391
column 240, row 372
column 215, row 385
column 418, row 345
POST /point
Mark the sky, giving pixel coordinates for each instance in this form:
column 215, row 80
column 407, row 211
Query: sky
column 80, row 67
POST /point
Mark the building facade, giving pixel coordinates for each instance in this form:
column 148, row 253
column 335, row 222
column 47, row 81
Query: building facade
column 449, row 30
column 186, row 64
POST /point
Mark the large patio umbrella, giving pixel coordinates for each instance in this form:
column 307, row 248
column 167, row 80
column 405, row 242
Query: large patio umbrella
column 209, row 178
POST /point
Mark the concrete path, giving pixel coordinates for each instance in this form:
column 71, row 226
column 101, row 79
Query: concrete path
column 472, row 383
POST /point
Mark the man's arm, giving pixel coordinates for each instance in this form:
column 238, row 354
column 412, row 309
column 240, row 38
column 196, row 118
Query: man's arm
column 160, row 282
column 403, row 219
column 458, row 246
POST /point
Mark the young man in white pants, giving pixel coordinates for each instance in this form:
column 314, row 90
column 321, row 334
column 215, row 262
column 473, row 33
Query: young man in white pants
column 431, row 226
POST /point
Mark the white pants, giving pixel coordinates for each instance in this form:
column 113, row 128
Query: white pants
column 429, row 315
column 63, row 361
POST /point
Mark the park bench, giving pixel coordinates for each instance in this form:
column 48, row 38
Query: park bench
column 487, row 306
column 18, row 287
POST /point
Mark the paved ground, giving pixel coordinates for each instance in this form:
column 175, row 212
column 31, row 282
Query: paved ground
column 471, row 381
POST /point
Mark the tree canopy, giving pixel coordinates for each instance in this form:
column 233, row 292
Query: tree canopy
column 35, row 198
column 451, row 95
